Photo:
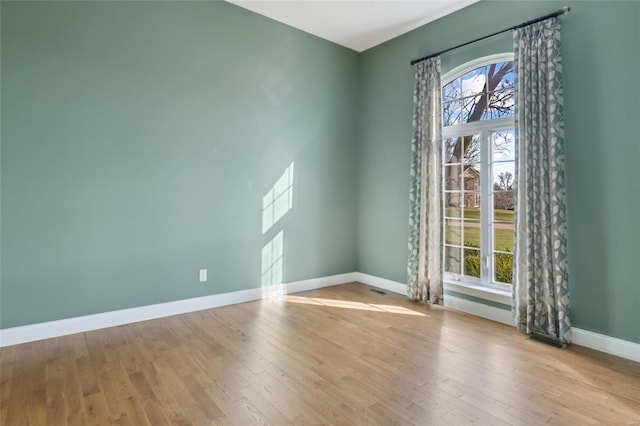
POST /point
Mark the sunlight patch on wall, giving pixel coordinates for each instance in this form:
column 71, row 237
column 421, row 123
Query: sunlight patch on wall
column 278, row 200
column 276, row 203
column 273, row 267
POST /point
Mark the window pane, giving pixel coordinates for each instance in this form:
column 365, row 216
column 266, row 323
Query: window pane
column 451, row 91
column 508, row 78
column 452, row 178
column 472, row 201
column 503, row 145
column 472, row 214
column 503, row 176
column 504, row 215
column 471, row 149
column 503, row 236
column 471, row 234
column 500, row 104
column 504, row 202
column 452, row 151
column 503, row 268
column 473, row 82
column 472, row 262
column 451, row 113
column 482, row 94
column 452, row 209
column 473, row 108
column 453, row 231
column 452, row 256
column 471, row 177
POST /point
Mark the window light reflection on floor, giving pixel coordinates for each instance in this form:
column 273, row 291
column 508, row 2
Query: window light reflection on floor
column 392, row 309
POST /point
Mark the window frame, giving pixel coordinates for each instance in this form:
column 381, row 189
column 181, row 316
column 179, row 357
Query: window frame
column 472, row 286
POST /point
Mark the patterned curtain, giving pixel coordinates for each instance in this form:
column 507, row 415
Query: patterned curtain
column 541, row 293
column 424, row 268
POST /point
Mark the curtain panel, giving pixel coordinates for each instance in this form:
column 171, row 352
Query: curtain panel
column 424, row 270
column 540, row 291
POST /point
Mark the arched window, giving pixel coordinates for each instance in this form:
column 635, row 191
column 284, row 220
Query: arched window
column 478, row 172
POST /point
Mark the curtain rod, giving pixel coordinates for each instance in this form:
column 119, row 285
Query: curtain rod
column 515, row 27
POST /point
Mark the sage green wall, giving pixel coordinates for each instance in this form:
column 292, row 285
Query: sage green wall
column 602, row 124
column 138, row 139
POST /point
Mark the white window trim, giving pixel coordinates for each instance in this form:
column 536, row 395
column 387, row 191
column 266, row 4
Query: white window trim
column 483, row 291
column 500, row 293
column 475, row 127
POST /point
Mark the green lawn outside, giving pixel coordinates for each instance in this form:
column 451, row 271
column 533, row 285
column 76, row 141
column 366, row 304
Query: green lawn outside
column 503, row 238
column 474, row 213
column 503, row 241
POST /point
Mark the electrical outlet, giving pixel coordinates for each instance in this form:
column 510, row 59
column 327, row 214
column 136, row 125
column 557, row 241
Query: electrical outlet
column 203, row 275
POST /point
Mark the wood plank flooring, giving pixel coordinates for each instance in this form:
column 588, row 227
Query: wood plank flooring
column 341, row 355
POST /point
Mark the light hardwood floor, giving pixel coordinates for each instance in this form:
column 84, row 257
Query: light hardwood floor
column 341, row 355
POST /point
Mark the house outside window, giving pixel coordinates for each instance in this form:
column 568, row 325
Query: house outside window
column 478, row 173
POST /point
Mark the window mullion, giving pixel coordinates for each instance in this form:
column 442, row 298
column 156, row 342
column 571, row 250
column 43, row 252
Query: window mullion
column 485, row 208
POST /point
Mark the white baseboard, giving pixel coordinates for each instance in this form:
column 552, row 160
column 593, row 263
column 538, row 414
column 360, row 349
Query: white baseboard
column 452, row 302
column 46, row 330
column 312, row 284
column 589, row 339
column 392, row 286
column 604, row 343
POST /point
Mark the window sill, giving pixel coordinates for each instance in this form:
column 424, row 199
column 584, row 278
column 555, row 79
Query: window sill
column 482, row 292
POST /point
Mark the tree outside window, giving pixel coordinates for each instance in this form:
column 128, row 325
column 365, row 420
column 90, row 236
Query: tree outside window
column 478, row 173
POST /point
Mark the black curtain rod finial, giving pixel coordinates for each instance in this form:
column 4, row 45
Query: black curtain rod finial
column 562, row 11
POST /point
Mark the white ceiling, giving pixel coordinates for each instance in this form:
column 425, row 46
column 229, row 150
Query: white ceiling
column 356, row 24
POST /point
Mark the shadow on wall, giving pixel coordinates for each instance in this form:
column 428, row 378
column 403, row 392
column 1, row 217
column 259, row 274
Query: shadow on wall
column 276, row 203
